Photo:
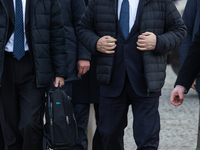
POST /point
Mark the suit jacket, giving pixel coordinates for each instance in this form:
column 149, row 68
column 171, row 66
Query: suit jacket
column 191, row 65
column 128, row 63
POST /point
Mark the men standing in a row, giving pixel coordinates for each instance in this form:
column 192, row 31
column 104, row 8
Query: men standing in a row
column 81, row 84
column 32, row 50
column 131, row 39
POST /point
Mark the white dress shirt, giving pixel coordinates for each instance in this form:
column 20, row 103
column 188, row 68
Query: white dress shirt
column 133, row 6
column 9, row 45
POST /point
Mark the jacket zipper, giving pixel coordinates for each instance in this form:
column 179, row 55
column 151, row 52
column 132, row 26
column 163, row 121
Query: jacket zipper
column 51, row 109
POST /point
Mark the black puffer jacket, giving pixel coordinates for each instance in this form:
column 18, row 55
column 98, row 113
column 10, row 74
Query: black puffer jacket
column 72, row 11
column 158, row 16
column 46, row 36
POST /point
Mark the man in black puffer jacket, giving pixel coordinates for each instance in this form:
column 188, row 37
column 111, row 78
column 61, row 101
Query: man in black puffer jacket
column 81, row 84
column 32, row 51
column 131, row 39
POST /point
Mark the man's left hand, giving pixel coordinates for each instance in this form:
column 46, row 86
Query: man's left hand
column 146, row 41
column 59, row 81
column 177, row 95
column 83, row 66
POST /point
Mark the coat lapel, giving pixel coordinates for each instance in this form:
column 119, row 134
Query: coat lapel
column 31, row 10
column 10, row 8
column 28, row 8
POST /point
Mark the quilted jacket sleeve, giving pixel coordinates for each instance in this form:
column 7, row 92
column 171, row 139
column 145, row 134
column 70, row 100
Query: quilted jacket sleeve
column 86, row 28
column 175, row 30
column 57, row 42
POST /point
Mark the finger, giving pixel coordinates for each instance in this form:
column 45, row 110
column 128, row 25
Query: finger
column 140, row 37
column 142, row 48
column 79, row 74
column 141, row 40
column 84, row 71
column 141, row 44
column 111, row 40
column 109, row 52
column 193, row 87
column 87, row 68
column 110, row 44
column 174, row 98
column 107, row 37
column 110, row 48
column 175, row 102
column 146, row 33
column 61, row 83
column 80, row 71
column 55, row 84
column 180, row 96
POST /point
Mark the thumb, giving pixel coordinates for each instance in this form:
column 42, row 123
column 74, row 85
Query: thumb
column 180, row 96
column 56, row 83
column 173, row 96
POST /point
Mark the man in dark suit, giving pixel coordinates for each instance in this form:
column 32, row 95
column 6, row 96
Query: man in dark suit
column 81, row 84
column 32, row 50
column 191, row 18
column 131, row 40
column 188, row 72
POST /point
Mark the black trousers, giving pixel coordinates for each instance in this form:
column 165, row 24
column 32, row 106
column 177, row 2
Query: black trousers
column 113, row 120
column 21, row 105
column 2, row 144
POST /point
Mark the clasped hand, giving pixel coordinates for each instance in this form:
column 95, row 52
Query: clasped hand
column 146, row 41
column 106, row 44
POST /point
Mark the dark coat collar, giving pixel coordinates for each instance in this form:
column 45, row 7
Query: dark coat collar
column 10, row 9
column 28, row 7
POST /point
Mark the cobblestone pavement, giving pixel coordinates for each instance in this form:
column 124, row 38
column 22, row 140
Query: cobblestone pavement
column 179, row 125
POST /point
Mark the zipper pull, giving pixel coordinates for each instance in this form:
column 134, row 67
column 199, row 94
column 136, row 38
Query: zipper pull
column 67, row 119
column 51, row 122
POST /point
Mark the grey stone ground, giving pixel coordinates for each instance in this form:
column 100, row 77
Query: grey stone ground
column 179, row 125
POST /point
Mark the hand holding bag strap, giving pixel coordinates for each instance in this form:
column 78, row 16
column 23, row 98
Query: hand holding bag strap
column 58, row 88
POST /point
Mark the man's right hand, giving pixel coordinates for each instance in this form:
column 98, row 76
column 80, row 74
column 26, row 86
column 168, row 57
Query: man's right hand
column 106, row 44
column 177, row 95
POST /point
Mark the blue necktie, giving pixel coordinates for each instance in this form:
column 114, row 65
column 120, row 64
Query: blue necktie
column 18, row 50
column 124, row 18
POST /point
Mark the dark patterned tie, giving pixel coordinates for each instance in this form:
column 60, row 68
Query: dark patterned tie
column 124, row 18
column 18, row 50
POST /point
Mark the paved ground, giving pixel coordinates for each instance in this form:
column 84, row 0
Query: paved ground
column 179, row 125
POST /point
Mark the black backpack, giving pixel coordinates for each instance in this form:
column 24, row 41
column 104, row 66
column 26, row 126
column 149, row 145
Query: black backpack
column 60, row 127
